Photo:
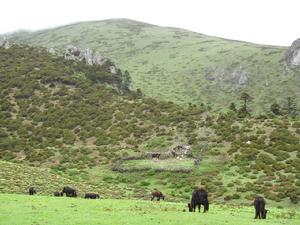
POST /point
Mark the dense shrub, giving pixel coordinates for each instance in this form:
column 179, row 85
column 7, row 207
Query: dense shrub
column 294, row 199
column 235, row 196
column 227, row 197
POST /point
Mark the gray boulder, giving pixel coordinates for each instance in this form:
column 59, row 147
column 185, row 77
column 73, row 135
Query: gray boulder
column 113, row 69
column 51, row 51
column 292, row 56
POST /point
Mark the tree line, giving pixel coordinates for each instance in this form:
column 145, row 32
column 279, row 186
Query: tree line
column 287, row 108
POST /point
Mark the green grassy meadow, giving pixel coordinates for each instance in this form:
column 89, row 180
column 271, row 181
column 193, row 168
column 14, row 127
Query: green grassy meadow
column 166, row 165
column 25, row 210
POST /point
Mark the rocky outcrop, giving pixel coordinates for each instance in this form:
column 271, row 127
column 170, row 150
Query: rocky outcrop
column 4, row 43
column 239, row 76
column 292, row 56
column 87, row 56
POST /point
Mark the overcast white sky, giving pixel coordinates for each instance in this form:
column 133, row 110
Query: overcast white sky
column 274, row 22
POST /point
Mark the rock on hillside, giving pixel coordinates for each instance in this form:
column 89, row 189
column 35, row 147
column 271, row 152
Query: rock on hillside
column 292, row 56
column 238, row 76
column 4, row 43
column 87, row 56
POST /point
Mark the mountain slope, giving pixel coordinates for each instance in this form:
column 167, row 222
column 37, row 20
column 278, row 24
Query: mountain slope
column 47, row 102
column 65, row 115
column 179, row 65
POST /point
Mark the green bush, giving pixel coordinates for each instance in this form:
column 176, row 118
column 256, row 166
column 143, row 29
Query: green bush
column 230, row 184
column 227, row 198
column 235, row 196
column 296, row 124
column 279, row 166
column 144, row 183
column 151, row 172
column 156, row 142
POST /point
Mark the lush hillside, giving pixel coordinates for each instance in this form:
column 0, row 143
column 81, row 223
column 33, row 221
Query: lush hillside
column 71, row 118
column 17, row 178
column 19, row 209
column 51, row 103
column 181, row 66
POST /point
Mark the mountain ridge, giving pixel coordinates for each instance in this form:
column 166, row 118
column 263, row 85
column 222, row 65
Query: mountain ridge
column 138, row 22
column 179, row 65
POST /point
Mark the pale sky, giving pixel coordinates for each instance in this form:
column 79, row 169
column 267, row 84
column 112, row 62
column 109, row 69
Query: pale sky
column 274, row 22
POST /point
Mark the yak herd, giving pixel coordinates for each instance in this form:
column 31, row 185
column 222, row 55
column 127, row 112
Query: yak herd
column 199, row 197
column 68, row 191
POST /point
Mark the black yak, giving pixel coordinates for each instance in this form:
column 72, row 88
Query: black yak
column 155, row 155
column 70, row 192
column 199, row 197
column 91, row 196
column 259, row 205
column 158, row 195
column 32, row 191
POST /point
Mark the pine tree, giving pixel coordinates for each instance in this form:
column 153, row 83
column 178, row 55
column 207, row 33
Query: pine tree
column 126, row 81
column 291, row 106
column 232, row 107
column 120, row 76
column 139, row 92
column 276, row 109
column 246, row 98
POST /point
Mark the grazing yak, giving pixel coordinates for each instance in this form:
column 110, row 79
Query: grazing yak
column 58, row 194
column 259, row 205
column 155, row 155
column 91, row 196
column 158, row 195
column 199, row 197
column 32, row 191
column 70, row 192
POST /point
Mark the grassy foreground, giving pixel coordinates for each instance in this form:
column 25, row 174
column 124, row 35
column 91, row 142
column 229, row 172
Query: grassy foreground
column 23, row 209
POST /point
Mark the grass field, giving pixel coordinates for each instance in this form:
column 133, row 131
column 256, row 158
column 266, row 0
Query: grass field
column 162, row 165
column 42, row 210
